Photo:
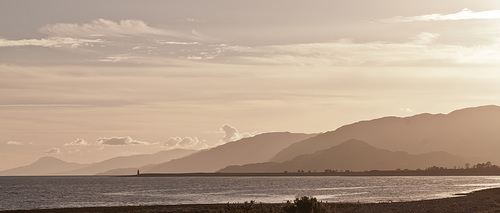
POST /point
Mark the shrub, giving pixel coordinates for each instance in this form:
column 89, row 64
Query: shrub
column 305, row 205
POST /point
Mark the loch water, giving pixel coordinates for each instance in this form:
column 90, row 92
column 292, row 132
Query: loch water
column 86, row 191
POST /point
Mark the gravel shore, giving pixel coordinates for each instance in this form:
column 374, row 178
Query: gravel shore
column 483, row 201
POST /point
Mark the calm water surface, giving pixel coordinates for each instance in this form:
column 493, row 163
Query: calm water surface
column 58, row 192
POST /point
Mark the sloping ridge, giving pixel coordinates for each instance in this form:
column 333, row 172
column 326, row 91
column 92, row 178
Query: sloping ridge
column 466, row 132
column 259, row 148
column 355, row 155
column 133, row 161
column 44, row 166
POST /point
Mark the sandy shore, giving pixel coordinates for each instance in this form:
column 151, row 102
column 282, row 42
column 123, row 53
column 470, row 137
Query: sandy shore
column 480, row 201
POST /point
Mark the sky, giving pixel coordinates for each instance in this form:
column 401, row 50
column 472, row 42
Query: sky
column 85, row 81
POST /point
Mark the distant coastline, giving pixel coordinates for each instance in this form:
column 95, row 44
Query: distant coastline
column 458, row 172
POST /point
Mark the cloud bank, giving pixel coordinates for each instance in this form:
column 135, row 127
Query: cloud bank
column 120, row 141
column 465, row 14
column 77, row 142
column 55, row 42
column 53, row 151
column 422, row 49
column 14, row 143
column 181, row 142
column 104, row 28
column 232, row 134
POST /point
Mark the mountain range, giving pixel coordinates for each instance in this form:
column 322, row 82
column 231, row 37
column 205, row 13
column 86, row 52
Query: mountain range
column 54, row 166
column 354, row 155
column 256, row 149
column 134, row 161
column 466, row 132
column 418, row 141
column 44, row 166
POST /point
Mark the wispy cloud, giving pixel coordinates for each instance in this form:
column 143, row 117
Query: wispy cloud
column 50, row 42
column 14, row 143
column 465, row 14
column 181, row 142
column 53, row 151
column 192, row 20
column 405, row 109
column 120, row 42
column 177, row 42
column 422, row 49
column 116, row 58
column 77, row 142
column 120, row 141
column 40, row 105
column 104, row 28
column 425, row 38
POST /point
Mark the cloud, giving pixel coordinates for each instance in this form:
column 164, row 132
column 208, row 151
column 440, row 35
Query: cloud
column 50, row 42
column 120, row 141
column 14, row 143
column 179, row 142
column 178, row 42
column 465, row 14
column 53, row 151
column 232, row 134
column 192, row 20
column 406, row 109
column 77, row 142
column 105, row 28
column 420, row 50
column 119, row 42
column 115, row 58
column 425, row 38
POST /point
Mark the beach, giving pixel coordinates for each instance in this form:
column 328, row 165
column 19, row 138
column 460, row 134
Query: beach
column 487, row 200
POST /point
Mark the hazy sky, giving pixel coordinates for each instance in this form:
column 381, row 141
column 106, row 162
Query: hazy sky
column 87, row 80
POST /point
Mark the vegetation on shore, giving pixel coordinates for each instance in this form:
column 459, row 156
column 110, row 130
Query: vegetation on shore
column 480, row 168
column 299, row 205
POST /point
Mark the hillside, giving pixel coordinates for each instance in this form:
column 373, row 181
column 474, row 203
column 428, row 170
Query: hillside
column 44, row 166
column 259, row 148
column 133, row 161
column 355, row 155
column 466, row 132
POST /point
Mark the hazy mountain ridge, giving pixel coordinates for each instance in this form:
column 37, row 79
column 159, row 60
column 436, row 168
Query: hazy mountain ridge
column 55, row 166
column 465, row 132
column 256, row 149
column 354, row 155
column 44, row 166
column 126, row 171
column 133, row 161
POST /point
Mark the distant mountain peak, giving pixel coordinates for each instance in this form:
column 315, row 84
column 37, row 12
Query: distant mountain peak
column 487, row 109
column 49, row 159
column 47, row 165
column 354, row 155
column 351, row 145
column 469, row 132
column 254, row 149
column 354, row 142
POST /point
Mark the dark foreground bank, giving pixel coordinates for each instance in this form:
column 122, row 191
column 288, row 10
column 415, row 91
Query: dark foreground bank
column 487, row 200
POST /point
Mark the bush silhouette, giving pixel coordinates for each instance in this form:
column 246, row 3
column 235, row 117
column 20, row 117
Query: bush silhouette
column 304, row 205
column 299, row 205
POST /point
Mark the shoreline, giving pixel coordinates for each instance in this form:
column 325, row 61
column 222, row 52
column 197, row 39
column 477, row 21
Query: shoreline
column 310, row 174
column 486, row 200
